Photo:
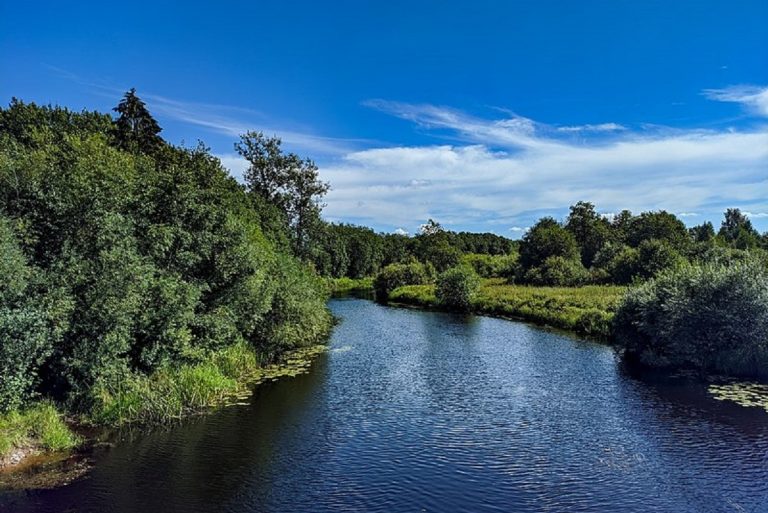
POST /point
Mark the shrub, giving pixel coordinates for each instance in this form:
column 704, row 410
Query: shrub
column 456, row 288
column 558, row 271
column 709, row 317
column 625, row 264
column 491, row 266
column 397, row 275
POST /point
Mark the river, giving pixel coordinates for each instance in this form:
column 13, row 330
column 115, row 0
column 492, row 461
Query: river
column 414, row 411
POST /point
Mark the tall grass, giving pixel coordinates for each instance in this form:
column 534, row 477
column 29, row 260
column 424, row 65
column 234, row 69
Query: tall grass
column 39, row 427
column 587, row 310
column 173, row 393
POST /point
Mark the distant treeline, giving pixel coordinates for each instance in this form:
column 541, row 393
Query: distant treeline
column 585, row 248
column 344, row 250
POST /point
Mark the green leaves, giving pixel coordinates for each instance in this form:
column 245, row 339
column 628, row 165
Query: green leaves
column 117, row 262
column 456, row 288
column 711, row 317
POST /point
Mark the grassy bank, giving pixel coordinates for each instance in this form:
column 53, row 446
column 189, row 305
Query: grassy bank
column 226, row 377
column 39, row 428
column 341, row 285
column 587, row 310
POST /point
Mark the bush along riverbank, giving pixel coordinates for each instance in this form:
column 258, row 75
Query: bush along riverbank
column 140, row 282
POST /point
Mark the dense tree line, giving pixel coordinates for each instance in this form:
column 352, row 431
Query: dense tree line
column 590, row 248
column 123, row 254
column 355, row 251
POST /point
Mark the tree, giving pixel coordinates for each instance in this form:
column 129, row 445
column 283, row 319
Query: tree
column 620, row 226
column 590, row 230
column 659, row 225
column 704, row 232
column 737, row 230
column 547, row 238
column 135, row 128
column 431, row 227
column 286, row 181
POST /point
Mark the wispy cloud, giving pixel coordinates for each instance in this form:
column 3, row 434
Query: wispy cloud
column 515, row 169
column 602, row 127
column 225, row 119
column 753, row 97
column 234, row 121
column 687, row 214
column 756, row 215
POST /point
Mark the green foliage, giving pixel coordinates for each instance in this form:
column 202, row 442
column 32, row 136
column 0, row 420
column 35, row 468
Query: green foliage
column 557, row 271
column 660, row 226
column 491, row 266
column 40, row 426
column 590, row 230
column 422, row 295
column 31, row 323
column 737, row 230
column 704, row 232
column 118, row 264
column 340, row 285
column 135, row 128
column 456, row 288
column 623, row 264
column 220, row 378
column 547, row 238
column 286, row 181
column 397, row 275
column 710, row 317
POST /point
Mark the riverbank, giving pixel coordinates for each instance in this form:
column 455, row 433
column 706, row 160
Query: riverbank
column 587, row 310
column 225, row 378
column 345, row 285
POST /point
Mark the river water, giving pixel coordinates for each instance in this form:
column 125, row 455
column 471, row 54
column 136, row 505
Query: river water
column 414, row 411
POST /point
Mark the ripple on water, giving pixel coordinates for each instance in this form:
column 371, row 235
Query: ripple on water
column 423, row 411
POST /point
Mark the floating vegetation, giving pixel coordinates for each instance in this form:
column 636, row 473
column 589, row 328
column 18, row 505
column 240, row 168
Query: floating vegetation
column 753, row 395
column 293, row 363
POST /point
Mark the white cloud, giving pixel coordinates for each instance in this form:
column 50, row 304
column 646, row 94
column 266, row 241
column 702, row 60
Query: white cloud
column 515, row 169
column 401, row 231
column 687, row 214
column 602, row 127
column 753, row 97
column 518, row 229
column 236, row 164
column 756, row 215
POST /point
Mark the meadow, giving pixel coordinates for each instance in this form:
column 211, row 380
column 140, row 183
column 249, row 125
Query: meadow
column 585, row 310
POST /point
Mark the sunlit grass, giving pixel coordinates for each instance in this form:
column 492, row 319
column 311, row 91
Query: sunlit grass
column 339, row 285
column 173, row 393
column 588, row 310
column 40, row 426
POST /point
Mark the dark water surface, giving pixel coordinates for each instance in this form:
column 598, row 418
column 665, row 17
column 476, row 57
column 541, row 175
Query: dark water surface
column 417, row 411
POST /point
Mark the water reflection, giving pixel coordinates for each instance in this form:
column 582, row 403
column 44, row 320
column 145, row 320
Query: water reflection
column 423, row 411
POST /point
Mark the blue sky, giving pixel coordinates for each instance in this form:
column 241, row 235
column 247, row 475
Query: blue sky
column 483, row 115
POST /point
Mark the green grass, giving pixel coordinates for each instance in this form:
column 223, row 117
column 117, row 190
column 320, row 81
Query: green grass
column 173, row 393
column 587, row 310
column 40, row 426
column 339, row 285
